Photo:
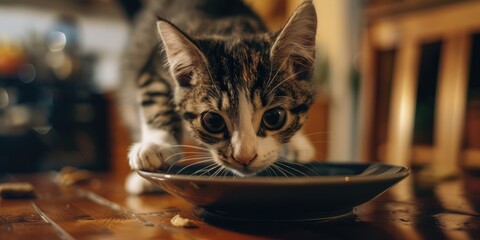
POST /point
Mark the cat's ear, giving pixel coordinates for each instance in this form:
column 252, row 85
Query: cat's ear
column 295, row 42
column 187, row 63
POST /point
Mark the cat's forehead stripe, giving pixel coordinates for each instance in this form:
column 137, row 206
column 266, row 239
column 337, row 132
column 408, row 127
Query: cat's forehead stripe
column 225, row 102
column 257, row 101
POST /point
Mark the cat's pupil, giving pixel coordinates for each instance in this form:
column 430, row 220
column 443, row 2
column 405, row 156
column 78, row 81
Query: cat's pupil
column 213, row 122
column 274, row 118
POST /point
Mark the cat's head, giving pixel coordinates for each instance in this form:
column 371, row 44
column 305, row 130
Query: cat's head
column 244, row 96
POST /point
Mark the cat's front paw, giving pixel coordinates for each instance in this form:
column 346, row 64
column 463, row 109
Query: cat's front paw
column 299, row 149
column 151, row 156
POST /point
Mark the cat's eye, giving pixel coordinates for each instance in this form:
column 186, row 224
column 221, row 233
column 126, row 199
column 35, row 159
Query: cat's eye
column 274, row 118
column 213, row 122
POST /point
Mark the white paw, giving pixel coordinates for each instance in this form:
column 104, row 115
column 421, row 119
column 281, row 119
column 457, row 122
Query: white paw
column 135, row 184
column 299, row 149
column 151, row 156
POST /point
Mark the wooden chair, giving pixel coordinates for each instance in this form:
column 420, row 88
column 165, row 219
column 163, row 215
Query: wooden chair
column 405, row 29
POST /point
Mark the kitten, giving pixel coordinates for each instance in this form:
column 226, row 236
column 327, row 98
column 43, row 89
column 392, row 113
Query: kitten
column 239, row 90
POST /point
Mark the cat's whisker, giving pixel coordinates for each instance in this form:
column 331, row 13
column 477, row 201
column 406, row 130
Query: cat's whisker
column 181, row 153
column 204, row 169
column 210, row 169
column 284, row 157
column 190, row 165
column 235, row 175
column 221, row 170
column 285, row 173
column 196, row 153
column 191, row 146
column 202, row 160
column 270, row 79
column 196, row 156
column 192, row 160
column 228, row 172
column 274, row 172
column 224, row 172
column 280, row 170
column 211, row 80
column 279, row 84
column 292, row 169
column 299, row 165
column 266, row 171
column 216, row 172
column 269, row 172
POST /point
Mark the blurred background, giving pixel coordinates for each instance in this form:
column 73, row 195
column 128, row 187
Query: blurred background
column 399, row 82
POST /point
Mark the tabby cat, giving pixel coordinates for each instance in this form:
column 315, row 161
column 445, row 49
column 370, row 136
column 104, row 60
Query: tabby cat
column 213, row 70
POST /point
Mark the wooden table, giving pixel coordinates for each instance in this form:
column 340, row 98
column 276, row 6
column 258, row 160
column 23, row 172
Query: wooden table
column 100, row 209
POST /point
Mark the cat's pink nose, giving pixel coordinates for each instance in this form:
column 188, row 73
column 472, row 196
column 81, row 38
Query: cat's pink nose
column 245, row 160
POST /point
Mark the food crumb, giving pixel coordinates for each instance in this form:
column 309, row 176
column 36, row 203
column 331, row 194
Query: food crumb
column 70, row 176
column 19, row 190
column 179, row 221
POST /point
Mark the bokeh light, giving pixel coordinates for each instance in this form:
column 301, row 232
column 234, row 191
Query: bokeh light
column 27, row 73
column 3, row 98
column 56, row 41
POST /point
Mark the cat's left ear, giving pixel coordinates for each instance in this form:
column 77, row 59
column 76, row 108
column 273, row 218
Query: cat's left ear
column 295, row 43
column 187, row 63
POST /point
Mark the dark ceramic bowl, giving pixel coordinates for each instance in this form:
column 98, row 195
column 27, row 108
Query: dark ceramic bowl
column 315, row 191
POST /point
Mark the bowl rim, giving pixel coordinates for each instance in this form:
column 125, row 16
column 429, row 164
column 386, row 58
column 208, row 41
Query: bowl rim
column 402, row 173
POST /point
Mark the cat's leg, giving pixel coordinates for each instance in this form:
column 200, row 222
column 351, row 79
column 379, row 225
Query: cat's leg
column 160, row 131
column 299, row 149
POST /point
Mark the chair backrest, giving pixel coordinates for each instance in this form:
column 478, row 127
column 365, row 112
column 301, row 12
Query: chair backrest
column 453, row 24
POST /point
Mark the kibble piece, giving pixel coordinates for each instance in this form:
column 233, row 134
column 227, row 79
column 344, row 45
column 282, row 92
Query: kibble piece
column 179, row 221
column 19, row 190
column 70, row 176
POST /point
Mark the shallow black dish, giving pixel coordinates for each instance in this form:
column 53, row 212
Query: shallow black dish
column 315, row 191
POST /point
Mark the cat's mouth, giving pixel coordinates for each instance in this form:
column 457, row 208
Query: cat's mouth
column 244, row 172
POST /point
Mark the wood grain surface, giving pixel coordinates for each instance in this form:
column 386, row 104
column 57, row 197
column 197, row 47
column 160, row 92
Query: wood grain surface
column 100, row 209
